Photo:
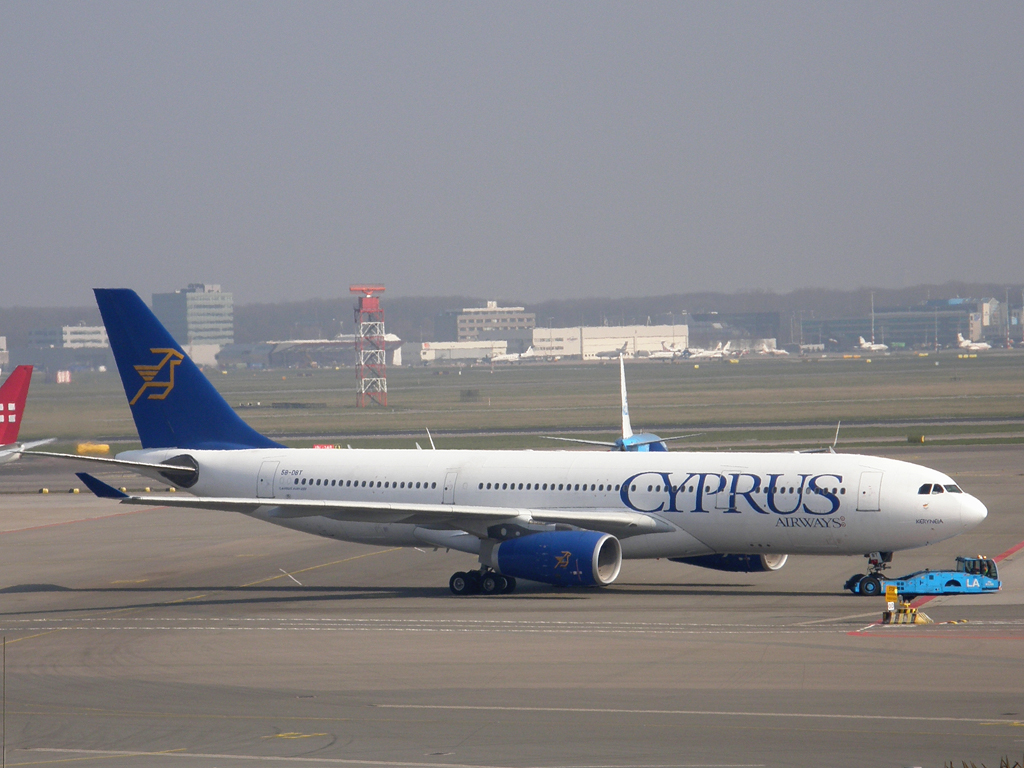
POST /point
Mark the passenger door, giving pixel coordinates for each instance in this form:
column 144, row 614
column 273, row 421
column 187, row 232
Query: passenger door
column 449, row 488
column 265, row 482
column 870, row 491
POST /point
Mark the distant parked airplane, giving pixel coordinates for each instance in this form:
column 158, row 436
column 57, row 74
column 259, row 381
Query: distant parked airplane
column 513, row 357
column 667, row 352
column 720, row 352
column 764, row 349
column 613, row 353
column 972, row 346
column 870, row 346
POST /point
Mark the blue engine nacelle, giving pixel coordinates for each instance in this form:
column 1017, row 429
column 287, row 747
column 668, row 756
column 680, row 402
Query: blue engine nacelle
column 562, row 558
column 735, row 563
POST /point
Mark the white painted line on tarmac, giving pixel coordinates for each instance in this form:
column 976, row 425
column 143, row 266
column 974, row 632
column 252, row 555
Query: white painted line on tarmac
column 837, row 618
column 1010, row 628
column 705, row 712
column 350, row 761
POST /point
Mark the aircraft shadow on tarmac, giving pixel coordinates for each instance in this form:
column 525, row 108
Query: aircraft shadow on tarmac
column 297, row 595
column 284, row 595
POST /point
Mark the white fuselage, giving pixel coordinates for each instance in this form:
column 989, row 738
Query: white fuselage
column 763, row 503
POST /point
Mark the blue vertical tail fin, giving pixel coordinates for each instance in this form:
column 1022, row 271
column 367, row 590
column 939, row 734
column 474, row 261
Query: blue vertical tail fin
column 174, row 405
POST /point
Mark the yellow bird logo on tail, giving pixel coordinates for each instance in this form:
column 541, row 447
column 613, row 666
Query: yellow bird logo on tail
column 171, row 360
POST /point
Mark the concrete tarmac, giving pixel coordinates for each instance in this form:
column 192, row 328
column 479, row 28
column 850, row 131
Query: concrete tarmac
column 139, row 637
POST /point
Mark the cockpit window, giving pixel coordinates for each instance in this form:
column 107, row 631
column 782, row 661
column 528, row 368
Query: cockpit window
column 925, row 489
column 953, row 489
column 937, row 489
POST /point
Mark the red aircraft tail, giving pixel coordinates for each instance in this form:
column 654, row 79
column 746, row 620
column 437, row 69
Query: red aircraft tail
column 12, row 403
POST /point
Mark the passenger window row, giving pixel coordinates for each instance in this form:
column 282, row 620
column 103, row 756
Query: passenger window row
column 547, row 487
column 363, row 484
column 707, row 489
column 608, row 487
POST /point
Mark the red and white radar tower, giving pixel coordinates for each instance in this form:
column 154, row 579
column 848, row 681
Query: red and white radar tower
column 371, row 363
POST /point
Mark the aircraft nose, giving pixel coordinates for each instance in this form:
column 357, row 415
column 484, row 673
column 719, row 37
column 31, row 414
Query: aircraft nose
column 972, row 511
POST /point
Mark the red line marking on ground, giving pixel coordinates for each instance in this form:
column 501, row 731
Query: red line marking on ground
column 943, row 636
column 1007, row 553
column 80, row 520
column 919, row 601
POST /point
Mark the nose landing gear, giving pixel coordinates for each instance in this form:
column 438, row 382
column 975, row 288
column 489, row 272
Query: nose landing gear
column 484, row 581
column 871, row 584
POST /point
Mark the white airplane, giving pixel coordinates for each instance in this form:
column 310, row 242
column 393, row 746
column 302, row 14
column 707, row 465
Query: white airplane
column 613, row 353
column 871, row 346
column 720, row 352
column 697, row 353
column 513, row 357
column 12, row 410
column 667, row 352
column 764, row 349
column 557, row 517
column 972, row 346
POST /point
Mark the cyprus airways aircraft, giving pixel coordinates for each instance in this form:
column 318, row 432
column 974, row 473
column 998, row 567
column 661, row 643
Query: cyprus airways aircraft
column 558, row 517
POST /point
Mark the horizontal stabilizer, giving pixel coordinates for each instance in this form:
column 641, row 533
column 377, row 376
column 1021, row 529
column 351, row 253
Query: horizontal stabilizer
column 181, row 475
column 100, row 488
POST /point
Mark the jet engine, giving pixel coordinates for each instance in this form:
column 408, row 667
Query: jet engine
column 736, row 563
column 562, row 558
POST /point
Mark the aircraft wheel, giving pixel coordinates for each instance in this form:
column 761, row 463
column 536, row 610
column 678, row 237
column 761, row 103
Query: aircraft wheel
column 870, row 586
column 461, row 584
column 492, row 584
column 853, row 581
column 510, row 585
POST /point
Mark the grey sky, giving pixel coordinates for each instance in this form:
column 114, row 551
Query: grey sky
column 519, row 150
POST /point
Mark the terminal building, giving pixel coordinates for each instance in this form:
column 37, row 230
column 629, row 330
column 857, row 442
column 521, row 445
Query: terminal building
column 930, row 325
column 461, row 351
column 200, row 318
column 598, row 342
column 70, row 347
column 303, row 353
column 513, row 325
column 746, row 330
column 69, row 337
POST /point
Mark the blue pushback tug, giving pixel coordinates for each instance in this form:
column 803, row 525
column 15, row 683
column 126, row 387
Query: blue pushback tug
column 973, row 575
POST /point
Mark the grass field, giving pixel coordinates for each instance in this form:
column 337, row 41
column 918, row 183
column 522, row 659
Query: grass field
column 753, row 403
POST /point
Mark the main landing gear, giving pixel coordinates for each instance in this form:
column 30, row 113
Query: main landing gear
column 483, row 582
column 871, row 584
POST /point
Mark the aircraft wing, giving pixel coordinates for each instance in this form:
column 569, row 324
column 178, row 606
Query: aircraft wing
column 454, row 516
column 11, row 451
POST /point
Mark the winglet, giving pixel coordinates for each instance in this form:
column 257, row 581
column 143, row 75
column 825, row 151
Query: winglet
column 100, row 488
